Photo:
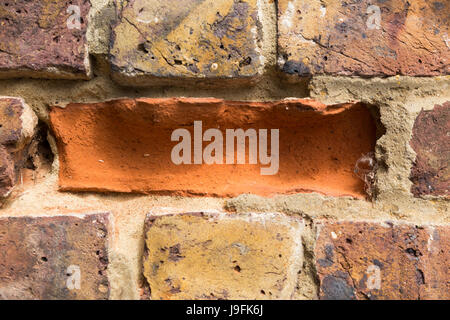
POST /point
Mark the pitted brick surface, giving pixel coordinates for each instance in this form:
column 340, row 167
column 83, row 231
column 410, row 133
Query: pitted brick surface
column 35, row 40
column 194, row 39
column 364, row 38
column 17, row 126
column 221, row 256
column 431, row 142
column 60, row 257
column 372, row 260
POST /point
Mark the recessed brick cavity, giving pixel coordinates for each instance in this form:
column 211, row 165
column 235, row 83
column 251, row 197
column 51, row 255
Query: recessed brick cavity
column 126, row 146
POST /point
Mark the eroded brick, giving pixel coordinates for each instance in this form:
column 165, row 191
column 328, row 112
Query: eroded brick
column 219, row 256
column 17, row 126
column 431, row 142
column 371, row 260
column 61, row 257
column 192, row 40
column 126, row 146
column 366, row 38
column 44, row 38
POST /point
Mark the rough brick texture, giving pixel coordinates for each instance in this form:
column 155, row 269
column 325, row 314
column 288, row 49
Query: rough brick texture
column 125, row 146
column 17, row 125
column 194, row 39
column 219, row 256
column 431, row 142
column 367, row 38
column 371, row 260
column 246, row 149
column 60, row 257
column 36, row 41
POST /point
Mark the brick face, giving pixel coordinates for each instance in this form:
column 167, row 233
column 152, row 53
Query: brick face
column 195, row 39
column 100, row 152
column 431, row 172
column 61, row 257
column 217, row 256
column 36, row 41
column 17, row 125
column 347, row 37
column 371, row 260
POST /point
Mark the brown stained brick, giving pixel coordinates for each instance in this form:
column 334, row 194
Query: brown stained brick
column 436, row 264
column 7, row 173
column 340, row 37
column 17, row 126
column 35, row 40
column 126, row 146
column 41, row 257
column 220, row 256
column 156, row 42
column 431, row 142
column 372, row 260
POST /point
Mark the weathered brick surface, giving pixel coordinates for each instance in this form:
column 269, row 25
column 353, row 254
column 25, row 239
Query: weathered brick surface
column 371, row 260
column 44, row 257
column 218, row 256
column 346, row 37
column 125, row 146
column 194, row 39
column 35, row 40
column 431, row 142
column 17, row 126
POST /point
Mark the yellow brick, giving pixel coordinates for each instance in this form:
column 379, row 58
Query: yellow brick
column 219, row 256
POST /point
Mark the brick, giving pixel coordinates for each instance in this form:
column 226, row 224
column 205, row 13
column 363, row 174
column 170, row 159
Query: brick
column 17, row 126
column 60, row 257
column 126, row 146
column 36, row 40
column 372, row 260
column 220, row 256
column 431, row 171
column 346, row 37
column 156, row 42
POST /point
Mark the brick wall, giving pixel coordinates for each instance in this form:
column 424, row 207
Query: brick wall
column 251, row 149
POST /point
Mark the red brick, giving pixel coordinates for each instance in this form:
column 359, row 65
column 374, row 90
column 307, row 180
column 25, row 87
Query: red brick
column 42, row 257
column 431, row 142
column 371, row 260
column 36, row 41
column 340, row 37
column 125, row 146
column 17, row 126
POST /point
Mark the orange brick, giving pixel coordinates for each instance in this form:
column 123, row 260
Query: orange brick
column 126, row 146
